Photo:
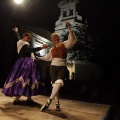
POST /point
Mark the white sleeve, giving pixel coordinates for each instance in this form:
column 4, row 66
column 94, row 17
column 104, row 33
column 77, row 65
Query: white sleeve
column 71, row 40
column 32, row 56
column 47, row 57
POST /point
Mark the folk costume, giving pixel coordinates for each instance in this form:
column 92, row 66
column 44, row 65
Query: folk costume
column 57, row 55
column 24, row 78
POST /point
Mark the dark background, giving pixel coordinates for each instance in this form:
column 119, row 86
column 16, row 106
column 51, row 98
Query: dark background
column 103, row 18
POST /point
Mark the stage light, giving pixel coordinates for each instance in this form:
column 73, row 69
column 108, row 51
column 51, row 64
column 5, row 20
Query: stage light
column 18, row 1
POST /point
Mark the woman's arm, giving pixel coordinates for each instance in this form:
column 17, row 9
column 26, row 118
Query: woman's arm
column 16, row 32
column 29, row 49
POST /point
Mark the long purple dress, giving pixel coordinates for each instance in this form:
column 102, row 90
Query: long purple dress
column 24, row 79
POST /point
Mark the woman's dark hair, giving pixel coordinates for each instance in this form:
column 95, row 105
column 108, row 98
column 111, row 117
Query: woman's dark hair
column 26, row 34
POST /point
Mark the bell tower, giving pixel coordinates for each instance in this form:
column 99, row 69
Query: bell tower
column 67, row 12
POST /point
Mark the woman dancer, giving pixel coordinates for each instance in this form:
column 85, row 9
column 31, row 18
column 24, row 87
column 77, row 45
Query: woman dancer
column 24, row 78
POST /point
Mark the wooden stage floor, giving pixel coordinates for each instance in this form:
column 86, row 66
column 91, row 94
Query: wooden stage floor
column 71, row 110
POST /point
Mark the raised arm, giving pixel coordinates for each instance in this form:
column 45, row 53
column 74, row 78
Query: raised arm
column 71, row 37
column 16, row 32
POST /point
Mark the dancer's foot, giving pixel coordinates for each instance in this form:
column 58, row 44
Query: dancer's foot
column 46, row 105
column 57, row 108
column 17, row 102
column 30, row 102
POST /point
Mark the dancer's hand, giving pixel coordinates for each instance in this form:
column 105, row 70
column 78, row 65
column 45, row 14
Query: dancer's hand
column 68, row 25
column 15, row 30
column 44, row 46
column 37, row 58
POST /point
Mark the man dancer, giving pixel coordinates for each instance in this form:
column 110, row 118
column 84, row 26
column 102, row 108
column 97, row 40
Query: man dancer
column 57, row 55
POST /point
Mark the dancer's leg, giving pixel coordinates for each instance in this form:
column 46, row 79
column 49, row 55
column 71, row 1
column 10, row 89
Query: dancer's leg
column 57, row 77
column 57, row 102
column 17, row 101
column 56, row 88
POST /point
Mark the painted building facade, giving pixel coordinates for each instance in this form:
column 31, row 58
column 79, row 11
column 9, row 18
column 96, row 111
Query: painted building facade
column 68, row 11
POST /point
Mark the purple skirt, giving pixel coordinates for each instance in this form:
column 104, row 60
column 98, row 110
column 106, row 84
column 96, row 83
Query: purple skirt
column 24, row 79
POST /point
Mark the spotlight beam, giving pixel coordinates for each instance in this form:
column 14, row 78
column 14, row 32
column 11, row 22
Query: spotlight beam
column 18, row 1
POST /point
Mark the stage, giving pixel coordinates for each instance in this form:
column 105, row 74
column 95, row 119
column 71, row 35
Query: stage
column 70, row 110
